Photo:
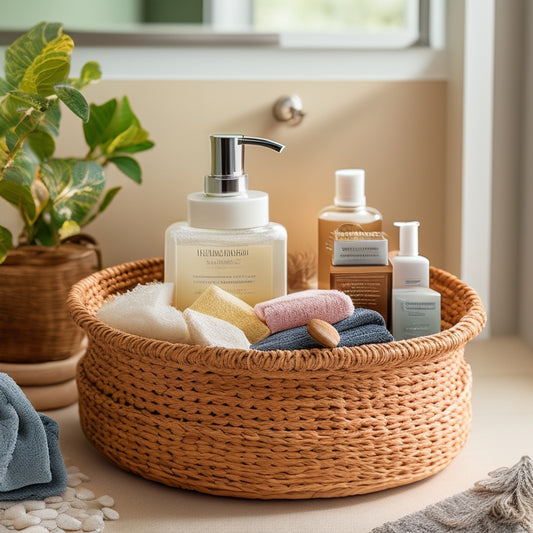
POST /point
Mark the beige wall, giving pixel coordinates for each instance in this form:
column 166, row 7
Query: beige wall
column 394, row 130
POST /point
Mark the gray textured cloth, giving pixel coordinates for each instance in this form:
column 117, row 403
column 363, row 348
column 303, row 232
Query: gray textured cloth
column 24, row 454
column 31, row 465
column 363, row 327
column 502, row 503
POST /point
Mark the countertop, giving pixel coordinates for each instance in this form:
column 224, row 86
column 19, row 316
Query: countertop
column 502, row 432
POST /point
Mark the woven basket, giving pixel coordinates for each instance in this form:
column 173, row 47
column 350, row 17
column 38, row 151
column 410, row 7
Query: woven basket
column 35, row 325
column 280, row 424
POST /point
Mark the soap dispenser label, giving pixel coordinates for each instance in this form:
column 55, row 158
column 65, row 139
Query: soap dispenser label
column 244, row 271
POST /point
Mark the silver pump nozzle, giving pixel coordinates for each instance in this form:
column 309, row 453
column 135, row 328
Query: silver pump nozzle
column 227, row 176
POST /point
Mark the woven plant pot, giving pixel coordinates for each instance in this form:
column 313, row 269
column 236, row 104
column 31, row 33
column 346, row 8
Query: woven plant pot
column 35, row 325
column 301, row 424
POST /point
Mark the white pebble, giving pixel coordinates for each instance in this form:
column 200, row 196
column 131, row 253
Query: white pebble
column 80, row 514
column 49, row 524
column 106, row 501
column 45, row 513
column 15, row 511
column 73, row 481
column 110, row 514
column 67, row 522
column 69, row 494
column 26, row 520
column 85, row 494
column 78, row 504
column 60, row 507
column 72, row 469
column 34, row 505
column 36, row 529
column 57, row 530
column 94, row 512
column 93, row 522
column 3, row 529
column 53, row 499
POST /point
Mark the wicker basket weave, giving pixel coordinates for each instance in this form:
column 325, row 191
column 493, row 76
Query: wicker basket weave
column 35, row 325
column 280, row 424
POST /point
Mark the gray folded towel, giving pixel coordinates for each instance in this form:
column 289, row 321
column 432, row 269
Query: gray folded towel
column 364, row 326
column 31, row 465
column 501, row 504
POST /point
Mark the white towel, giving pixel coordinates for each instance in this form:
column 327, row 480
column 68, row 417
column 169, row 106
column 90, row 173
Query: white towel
column 146, row 311
column 207, row 330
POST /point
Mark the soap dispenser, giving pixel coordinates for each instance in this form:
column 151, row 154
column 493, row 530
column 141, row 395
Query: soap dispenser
column 416, row 309
column 409, row 268
column 227, row 239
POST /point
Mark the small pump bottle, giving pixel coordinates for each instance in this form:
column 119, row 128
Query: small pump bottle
column 409, row 269
column 415, row 307
column 227, row 239
column 349, row 207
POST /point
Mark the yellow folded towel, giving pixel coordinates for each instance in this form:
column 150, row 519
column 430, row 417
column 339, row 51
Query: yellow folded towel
column 216, row 302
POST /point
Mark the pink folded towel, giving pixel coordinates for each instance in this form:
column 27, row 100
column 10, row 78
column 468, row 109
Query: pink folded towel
column 298, row 308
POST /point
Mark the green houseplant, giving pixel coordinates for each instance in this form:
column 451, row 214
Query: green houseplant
column 55, row 197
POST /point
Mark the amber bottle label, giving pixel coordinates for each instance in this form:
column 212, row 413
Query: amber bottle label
column 326, row 230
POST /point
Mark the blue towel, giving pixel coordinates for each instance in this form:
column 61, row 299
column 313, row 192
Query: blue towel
column 31, row 465
column 365, row 326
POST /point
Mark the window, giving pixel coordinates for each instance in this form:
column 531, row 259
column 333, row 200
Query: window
column 322, row 23
column 310, row 24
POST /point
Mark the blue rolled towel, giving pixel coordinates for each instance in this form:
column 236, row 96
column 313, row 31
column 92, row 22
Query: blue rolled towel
column 31, row 465
column 365, row 326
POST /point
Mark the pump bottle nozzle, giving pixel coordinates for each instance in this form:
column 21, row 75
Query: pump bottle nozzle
column 227, row 176
column 262, row 142
column 408, row 237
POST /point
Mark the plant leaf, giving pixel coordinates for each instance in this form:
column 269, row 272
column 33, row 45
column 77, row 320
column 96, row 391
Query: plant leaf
column 73, row 99
column 109, row 195
column 19, row 196
column 90, row 73
column 67, row 229
column 17, row 115
column 26, row 100
column 128, row 166
column 4, row 87
column 108, row 198
column 20, row 55
column 44, row 232
column 79, row 195
column 23, row 168
column 138, row 147
column 8, row 115
column 100, row 118
column 6, row 242
column 124, row 139
column 52, row 119
column 42, row 144
column 49, row 68
column 56, row 177
column 40, row 197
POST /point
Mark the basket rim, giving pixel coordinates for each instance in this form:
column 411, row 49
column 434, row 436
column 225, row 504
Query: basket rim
column 390, row 354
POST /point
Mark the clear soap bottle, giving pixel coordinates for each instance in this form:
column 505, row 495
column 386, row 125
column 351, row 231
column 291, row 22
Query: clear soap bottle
column 349, row 207
column 228, row 239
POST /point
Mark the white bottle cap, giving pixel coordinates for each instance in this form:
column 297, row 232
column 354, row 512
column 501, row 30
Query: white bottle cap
column 350, row 187
column 408, row 238
column 227, row 212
